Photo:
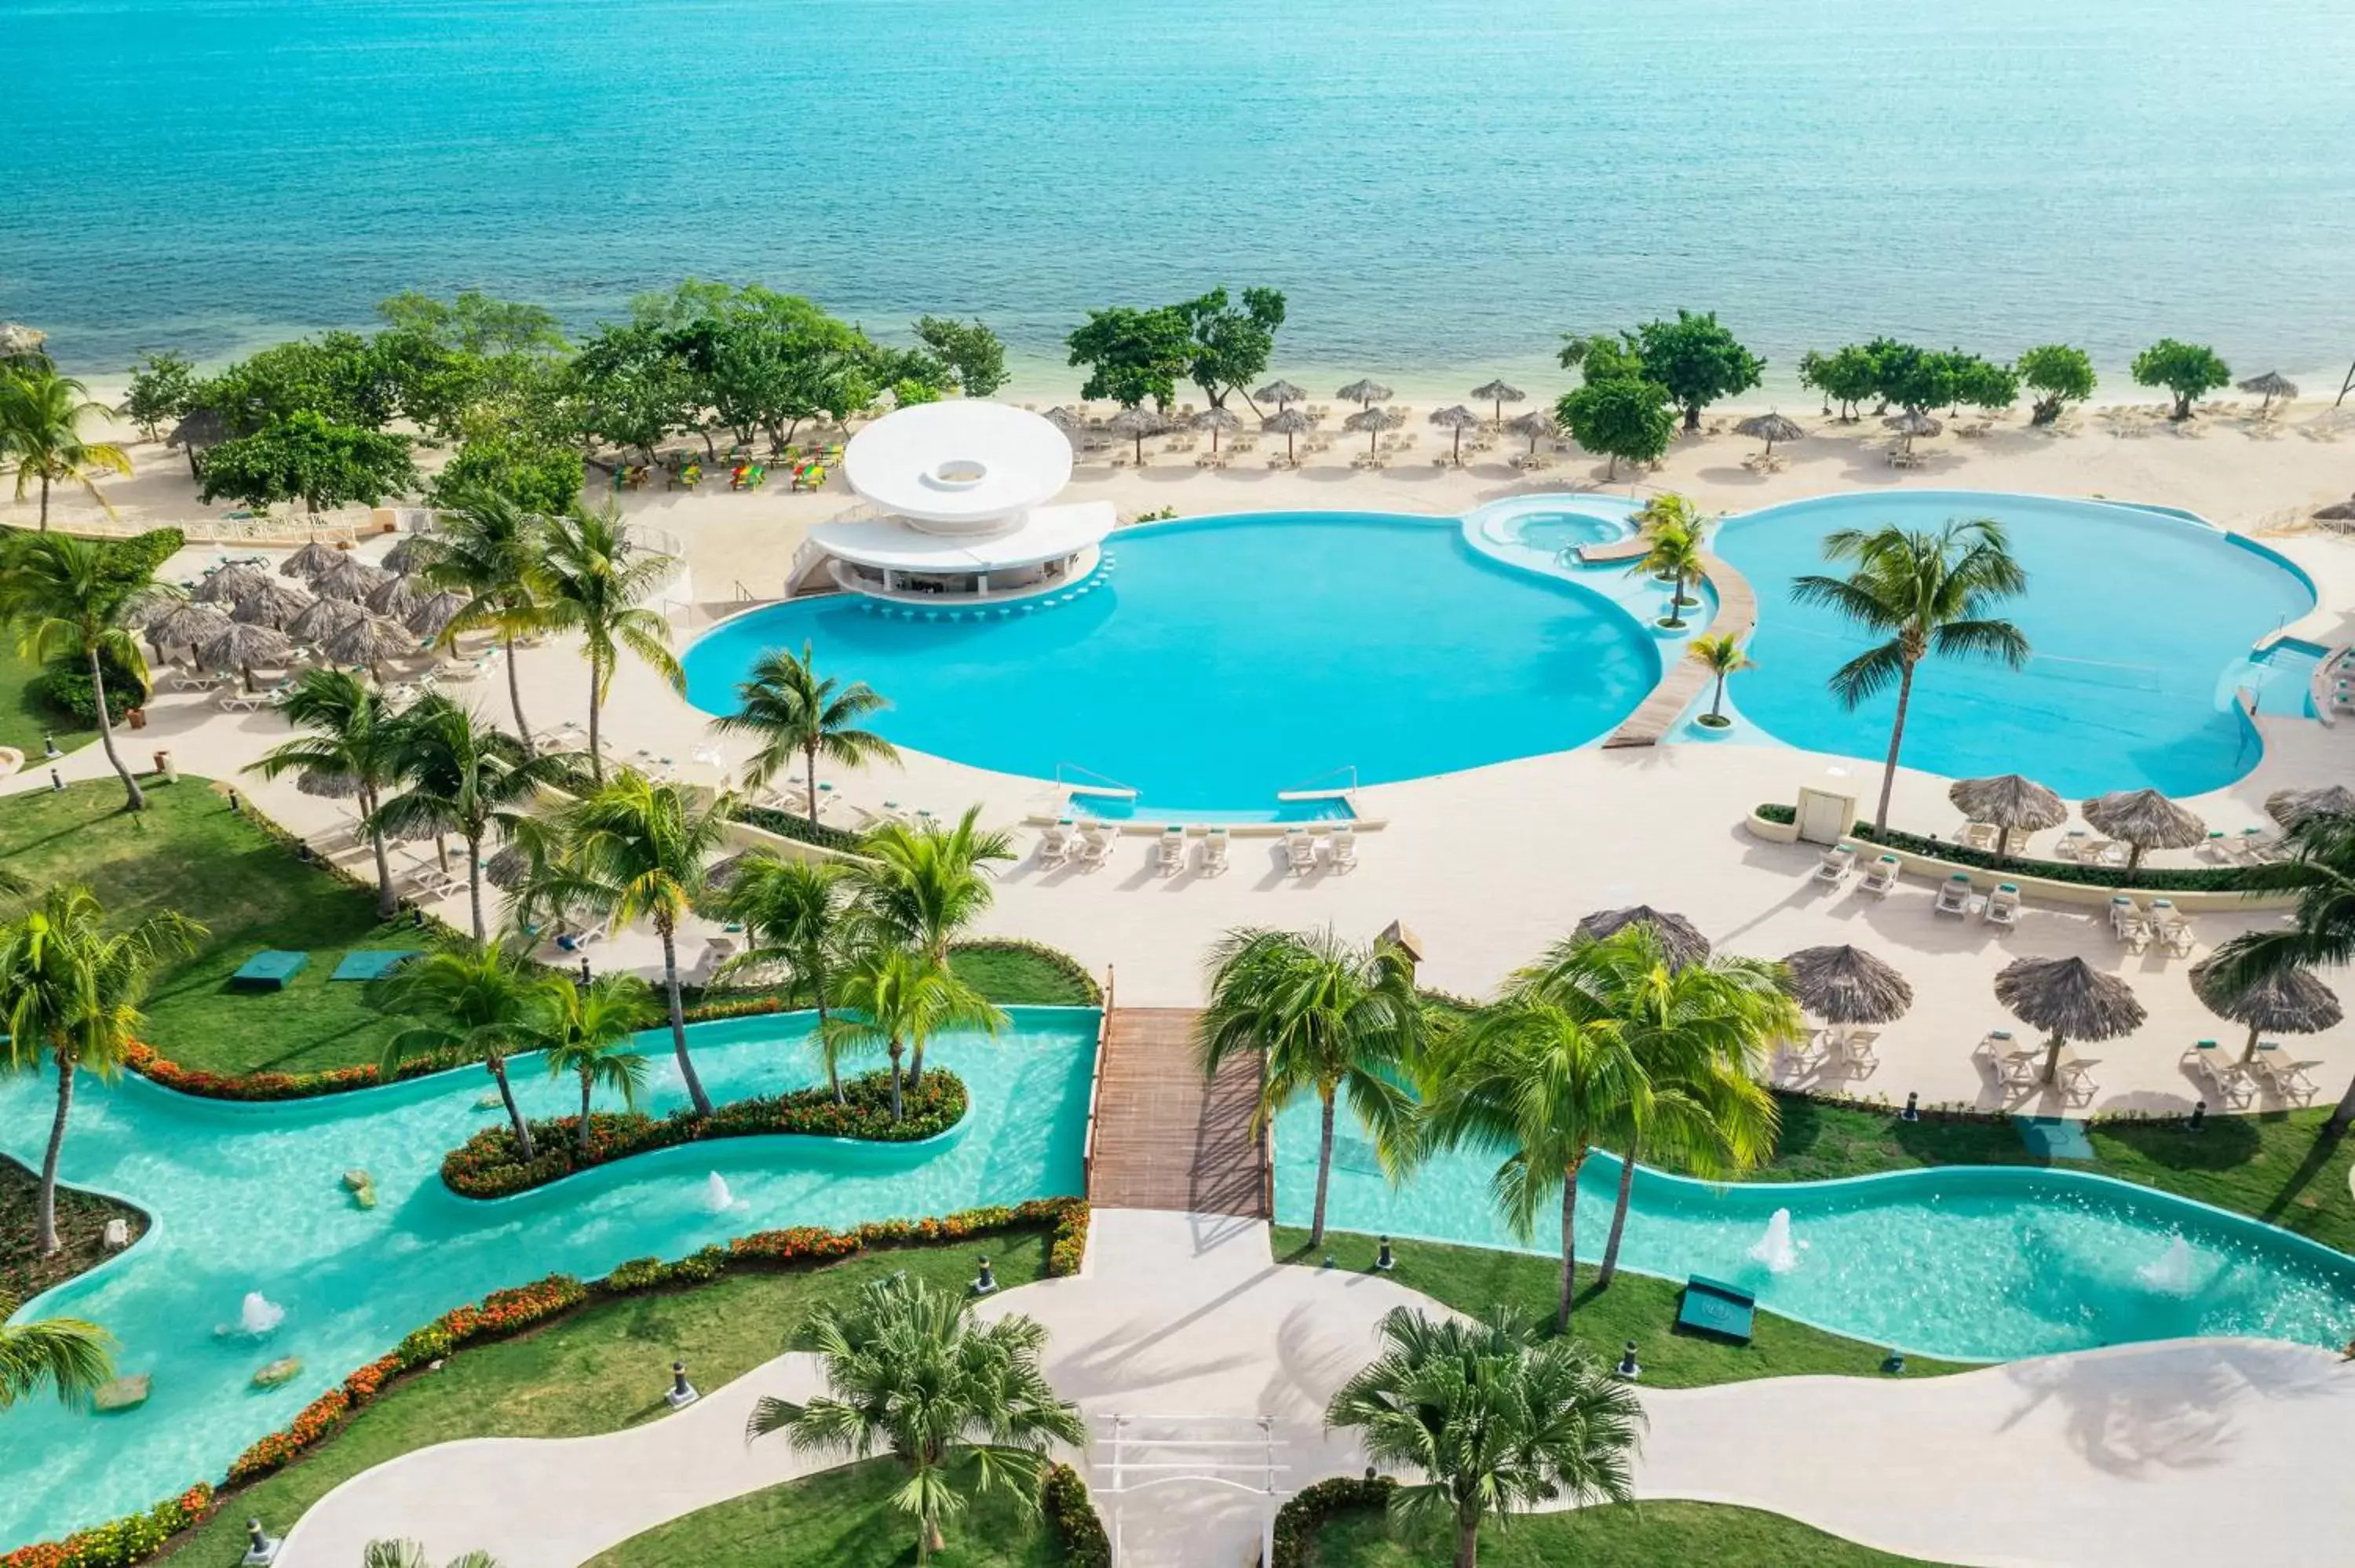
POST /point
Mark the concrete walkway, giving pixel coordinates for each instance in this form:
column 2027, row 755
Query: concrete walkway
column 2146, row 1457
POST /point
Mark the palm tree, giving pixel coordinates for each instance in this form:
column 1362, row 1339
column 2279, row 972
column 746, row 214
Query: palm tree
column 469, row 999
column 929, row 882
column 957, row 1402
column 634, row 849
column 70, row 986
column 1677, row 556
column 591, row 579
column 74, row 1358
column 795, row 712
column 1700, row 1032
column 1721, row 655
column 461, row 774
column 489, row 549
column 67, row 595
column 1323, row 1017
column 355, row 736
column 411, row 1554
column 896, row 998
column 40, row 428
column 801, row 919
column 2320, row 870
column 1497, row 1421
column 1931, row 593
column 588, row 1031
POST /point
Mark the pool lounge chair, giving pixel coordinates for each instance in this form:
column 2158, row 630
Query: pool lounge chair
column 2272, row 1065
column 1172, row 858
column 2071, row 846
column 1855, row 1048
column 1953, row 896
column 1341, row 848
column 2225, row 1078
column 1214, row 852
column 2002, row 906
column 2127, row 923
column 1978, row 835
column 1095, row 846
column 1879, row 876
column 1055, row 844
column 2169, row 927
column 1835, row 864
column 1299, row 852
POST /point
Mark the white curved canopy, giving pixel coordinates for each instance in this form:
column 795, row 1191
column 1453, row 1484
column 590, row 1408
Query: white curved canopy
column 958, row 466
column 1049, row 534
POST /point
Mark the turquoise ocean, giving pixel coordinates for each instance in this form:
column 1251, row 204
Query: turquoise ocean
column 1446, row 184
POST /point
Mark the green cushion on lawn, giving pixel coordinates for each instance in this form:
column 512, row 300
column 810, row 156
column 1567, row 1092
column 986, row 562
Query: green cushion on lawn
column 268, row 969
column 371, row 963
column 1713, row 1308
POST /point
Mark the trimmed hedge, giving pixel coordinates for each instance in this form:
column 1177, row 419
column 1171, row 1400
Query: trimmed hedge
column 144, row 1060
column 2152, row 879
column 709, row 1005
column 1298, row 1521
column 119, row 1542
column 1072, row 1516
column 800, row 829
column 488, row 1165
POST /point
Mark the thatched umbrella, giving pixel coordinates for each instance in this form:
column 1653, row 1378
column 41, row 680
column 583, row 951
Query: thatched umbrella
column 240, row 646
column 1847, row 985
column 328, row 785
column 1537, row 424
column 720, row 873
column 2336, row 512
column 1499, row 393
column 199, row 431
column 273, row 603
column 1373, row 421
column 229, row 584
column 1458, row 419
column 1217, row 419
column 509, row 869
column 1367, row 393
column 1281, row 393
column 18, row 341
column 2010, row 803
column 1287, row 423
column 309, row 561
column 349, row 577
column 2271, row 385
column 432, row 616
column 2068, row 998
column 412, row 553
column 2145, row 819
column 1913, row 423
column 184, row 625
column 367, row 640
column 1678, row 937
column 1136, row 424
column 322, row 617
column 1770, row 429
column 395, row 597
column 2288, row 1002
column 1063, row 419
column 2291, row 807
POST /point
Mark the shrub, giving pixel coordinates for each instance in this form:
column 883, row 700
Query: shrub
column 119, row 1542
column 1298, row 1521
column 144, row 1060
column 1072, row 1516
column 2147, row 878
column 1055, row 958
column 794, row 826
column 64, row 688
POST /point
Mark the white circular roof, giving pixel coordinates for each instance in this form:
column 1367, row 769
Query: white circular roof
column 958, row 462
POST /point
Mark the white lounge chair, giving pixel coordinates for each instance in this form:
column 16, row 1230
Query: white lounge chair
column 1299, row 852
column 2271, row 1065
column 1214, row 852
column 1341, row 848
column 1978, row 835
column 2128, row 924
column 1055, row 844
column 2071, row 846
column 2169, row 927
column 1955, row 896
column 1879, row 876
column 1855, row 1048
column 1836, row 863
column 1172, row 859
column 2225, row 1078
column 2002, row 906
column 1095, row 846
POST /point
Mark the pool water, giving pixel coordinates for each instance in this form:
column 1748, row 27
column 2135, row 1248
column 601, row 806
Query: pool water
column 249, row 1198
column 2138, row 621
column 1120, row 808
column 1554, row 532
column 1227, row 659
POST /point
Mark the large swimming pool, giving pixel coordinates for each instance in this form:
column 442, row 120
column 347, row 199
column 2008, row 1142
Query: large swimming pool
column 247, row 1198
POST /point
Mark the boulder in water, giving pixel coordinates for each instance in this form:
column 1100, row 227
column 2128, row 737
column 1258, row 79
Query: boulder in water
column 122, row 1393
column 283, row 1370
column 361, row 1186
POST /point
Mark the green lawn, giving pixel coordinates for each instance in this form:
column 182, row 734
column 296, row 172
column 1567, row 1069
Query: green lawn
column 1645, row 1535
column 1636, row 1307
column 1012, row 977
column 838, row 1519
column 82, row 1223
column 23, row 719
column 601, row 1369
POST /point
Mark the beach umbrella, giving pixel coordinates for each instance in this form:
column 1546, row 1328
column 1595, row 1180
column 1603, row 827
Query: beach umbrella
column 1537, row 424
column 18, row 341
column 509, row 869
column 2145, row 819
column 367, row 640
column 1678, row 937
column 240, row 646
column 2271, row 385
column 1287, row 423
column 1458, row 419
column 328, row 785
column 2288, row 1002
column 184, row 625
column 1282, row 394
column 1368, row 393
column 722, row 872
column 433, row 614
column 275, row 602
column 1913, row 423
column 229, row 584
column 199, row 429
column 1217, row 419
column 1499, row 393
column 2010, row 802
column 1848, row 985
column 395, row 597
column 349, row 577
column 1071, row 424
column 1135, row 424
column 2336, row 512
column 322, row 617
column 413, row 553
column 2068, row 998
column 2291, row 807
column 1373, row 421
column 1770, row 429
column 309, row 561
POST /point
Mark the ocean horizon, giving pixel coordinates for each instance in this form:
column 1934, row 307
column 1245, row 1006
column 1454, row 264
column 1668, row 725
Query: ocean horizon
column 1439, row 190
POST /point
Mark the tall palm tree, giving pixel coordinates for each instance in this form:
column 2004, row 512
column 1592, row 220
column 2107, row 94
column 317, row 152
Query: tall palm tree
column 489, row 549
column 356, row 736
column 2320, row 870
column 412, row 1555
column 73, row 1358
column 67, row 595
column 588, row 1031
column 69, row 988
column 464, row 776
column 40, row 431
column 591, row 579
column 1323, row 1017
column 1676, row 555
column 1931, row 594
column 796, row 712
column 803, row 922
column 1497, row 1421
column 1721, row 655
column 1700, row 1032
column 466, row 1000
column 634, row 849
column 928, row 882
column 960, row 1403
column 896, row 998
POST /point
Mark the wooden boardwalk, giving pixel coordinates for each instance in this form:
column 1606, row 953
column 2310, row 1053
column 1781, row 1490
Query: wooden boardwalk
column 1165, row 1138
column 1680, row 683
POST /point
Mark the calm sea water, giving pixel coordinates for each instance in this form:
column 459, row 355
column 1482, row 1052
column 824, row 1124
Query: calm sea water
column 1446, row 184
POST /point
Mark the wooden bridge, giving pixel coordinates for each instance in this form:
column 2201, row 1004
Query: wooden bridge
column 1164, row 1137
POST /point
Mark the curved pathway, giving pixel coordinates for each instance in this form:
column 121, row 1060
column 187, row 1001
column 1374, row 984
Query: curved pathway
column 2187, row 1453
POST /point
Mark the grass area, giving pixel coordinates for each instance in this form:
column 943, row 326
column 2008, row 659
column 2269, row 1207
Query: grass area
column 838, row 1518
column 1013, row 978
column 1647, row 1535
column 601, row 1369
column 81, row 1222
column 24, row 718
column 1636, row 1307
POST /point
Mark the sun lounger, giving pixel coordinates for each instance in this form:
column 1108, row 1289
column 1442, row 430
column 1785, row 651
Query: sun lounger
column 1214, row 852
column 1341, row 848
column 1172, row 858
column 1095, row 846
column 1299, row 852
column 1835, row 864
column 2071, row 845
column 1978, row 835
column 268, row 969
column 1055, row 844
column 2002, row 906
column 2272, row 1065
column 1995, row 1046
column 1955, row 896
column 2225, row 1078
column 1855, row 1048
column 1879, row 876
column 2169, row 927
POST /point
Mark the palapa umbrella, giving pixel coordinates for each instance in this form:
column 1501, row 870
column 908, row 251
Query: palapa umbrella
column 2145, row 819
column 1770, row 429
column 240, row 646
column 309, row 561
column 722, row 872
column 509, row 869
column 2068, row 998
column 184, row 625
column 1217, row 419
column 274, row 603
column 2271, row 385
column 1499, row 393
column 1063, row 419
column 1913, row 423
column 199, row 429
column 2288, row 1002
column 349, row 577
column 1458, row 419
column 322, row 617
column 1281, row 393
column 367, row 640
column 328, row 785
column 2336, row 512
column 432, row 616
column 395, row 597
column 1678, row 937
column 1847, row 985
column 2010, row 803
column 1367, row 393
column 227, row 585
column 1287, row 423
column 1373, row 421
column 2291, row 807
column 1537, row 424
column 413, row 553
column 1136, row 424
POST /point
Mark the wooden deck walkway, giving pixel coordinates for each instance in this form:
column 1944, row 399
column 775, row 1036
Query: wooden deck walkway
column 1680, row 683
column 1165, row 1138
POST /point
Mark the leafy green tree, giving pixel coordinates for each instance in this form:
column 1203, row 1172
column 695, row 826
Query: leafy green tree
column 2058, row 375
column 959, row 1403
column 163, row 387
column 906, row 392
column 1847, row 377
column 1915, row 379
column 1322, row 1017
column 1983, row 383
column 1497, row 1421
column 795, row 712
column 74, row 1358
column 412, row 1555
column 1697, row 360
column 1625, row 417
column 802, row 925
column 1134, row 355
column 40, row 433
column 593, row 579
column 353, row 734
column 627, row 388
column 1676, row 534
column 341, row 378
column 304, row 457
column 1721, row 655
column 73, row 597
column 1232, row 344
column 929, row 882
column 545, row 477
column 588, row 1031
column 1601, row 356
column 468, row 1001
column 2188, row 370
column 1931, row 595
column 71, row 984
column 474, row 322
column 461, row 774
column 896, row 999
column 488, row 546
column 972, row 352
column 2320, row 871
